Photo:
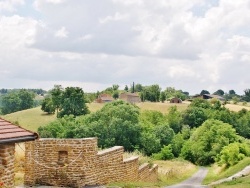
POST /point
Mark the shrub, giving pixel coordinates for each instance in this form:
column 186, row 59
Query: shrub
column 164, row 154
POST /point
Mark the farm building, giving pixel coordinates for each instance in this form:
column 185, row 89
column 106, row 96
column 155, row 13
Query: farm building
column 103, row 98
column 9, row 135
column 208, row 96
column 175, row 100
column 130, row 97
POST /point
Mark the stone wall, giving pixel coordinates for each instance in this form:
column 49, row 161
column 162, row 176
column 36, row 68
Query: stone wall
column 76, row 163
column 7, row 159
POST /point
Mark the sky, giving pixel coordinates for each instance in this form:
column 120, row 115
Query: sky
column 187, row 44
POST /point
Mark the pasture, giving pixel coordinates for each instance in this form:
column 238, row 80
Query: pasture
column 33, row 118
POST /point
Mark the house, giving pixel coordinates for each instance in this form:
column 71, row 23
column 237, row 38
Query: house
column 11, row 134
column 208, row 96
column 130, row 97
column 175, row 100
column 103, row 98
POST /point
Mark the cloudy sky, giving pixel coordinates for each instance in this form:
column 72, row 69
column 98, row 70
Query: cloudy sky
column 186, row 44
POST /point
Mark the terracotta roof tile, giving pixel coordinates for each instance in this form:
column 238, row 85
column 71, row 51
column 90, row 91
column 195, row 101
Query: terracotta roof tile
column 11, row 133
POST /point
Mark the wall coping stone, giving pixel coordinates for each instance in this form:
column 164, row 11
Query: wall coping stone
column 130, row 159
column 110, row 150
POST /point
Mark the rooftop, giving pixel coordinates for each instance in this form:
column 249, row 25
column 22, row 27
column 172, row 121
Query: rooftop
column 10, row 133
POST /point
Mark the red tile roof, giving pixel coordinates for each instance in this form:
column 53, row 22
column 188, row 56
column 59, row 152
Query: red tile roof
column 10, row 133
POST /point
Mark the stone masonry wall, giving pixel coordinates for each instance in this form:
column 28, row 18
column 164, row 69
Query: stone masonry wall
column 7, row 159
column 77, row 163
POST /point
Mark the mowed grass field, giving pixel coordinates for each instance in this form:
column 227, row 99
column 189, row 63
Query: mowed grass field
column 33, row 118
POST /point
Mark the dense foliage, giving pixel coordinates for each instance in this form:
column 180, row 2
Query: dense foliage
column 17, row 100
column 68, row 101
column 204, row 133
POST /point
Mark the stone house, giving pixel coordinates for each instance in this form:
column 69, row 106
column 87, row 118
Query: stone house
column 103, row 98
column 130, row 97
column 9, row 135
column 175, row 100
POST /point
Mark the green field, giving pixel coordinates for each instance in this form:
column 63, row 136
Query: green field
column 33, row 118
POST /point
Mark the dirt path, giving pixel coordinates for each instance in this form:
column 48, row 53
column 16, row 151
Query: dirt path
column 193, row 182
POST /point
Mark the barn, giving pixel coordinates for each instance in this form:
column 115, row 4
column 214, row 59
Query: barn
column 175, row 100
column 103, row 98
column 130, row 97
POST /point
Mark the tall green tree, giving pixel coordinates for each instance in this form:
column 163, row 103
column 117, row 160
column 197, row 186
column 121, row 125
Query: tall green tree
column 26, row 98
column 163, row 96
column 151, row 93
column 56, row 96
column 73, row 102
column 10, row 103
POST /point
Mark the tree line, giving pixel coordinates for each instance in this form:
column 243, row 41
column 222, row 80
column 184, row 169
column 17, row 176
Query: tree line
column 204, row 133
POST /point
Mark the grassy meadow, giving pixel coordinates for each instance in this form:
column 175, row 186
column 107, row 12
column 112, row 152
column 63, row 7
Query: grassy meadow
column 33, row 118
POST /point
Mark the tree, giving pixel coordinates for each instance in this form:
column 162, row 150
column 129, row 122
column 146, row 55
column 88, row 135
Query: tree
column 204, row 92
column 162, row 96
column 138, row 88
column 151, row 93
column 246, row 97
column 232, row 92
column 174, row 119
column 207, row 141
column 10, row 103
column 126, row 88
column 17, row 100
column 233, row 153
column 47, row 105
column 219, row 92
column 56, row 94
column 27, row 99
column 116, row 123
column 73, row 102
column 115, row 87
column 115, row 95
column 194, row 116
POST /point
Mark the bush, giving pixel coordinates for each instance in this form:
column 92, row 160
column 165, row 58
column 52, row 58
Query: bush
column 164, row 154
column 232, row 154
column 207, row 141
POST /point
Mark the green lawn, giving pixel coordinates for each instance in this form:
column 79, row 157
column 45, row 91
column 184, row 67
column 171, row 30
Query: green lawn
column 30, row 119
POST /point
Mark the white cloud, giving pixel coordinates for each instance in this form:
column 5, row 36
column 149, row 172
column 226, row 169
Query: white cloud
column 114, row 41
column 118, row 16
column 10, row 5
column 62, row 33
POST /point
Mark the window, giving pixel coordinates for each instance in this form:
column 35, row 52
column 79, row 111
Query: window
column 62, row 158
